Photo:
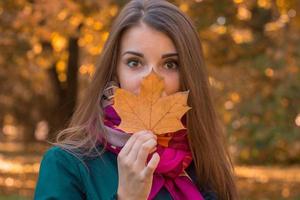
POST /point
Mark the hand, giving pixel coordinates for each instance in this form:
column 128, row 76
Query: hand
column 135, row 177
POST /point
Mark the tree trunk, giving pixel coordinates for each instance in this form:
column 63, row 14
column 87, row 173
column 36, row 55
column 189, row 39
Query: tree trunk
column 66, row 92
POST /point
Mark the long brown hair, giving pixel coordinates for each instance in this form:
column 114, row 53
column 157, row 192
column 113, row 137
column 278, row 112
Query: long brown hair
column 213, row 165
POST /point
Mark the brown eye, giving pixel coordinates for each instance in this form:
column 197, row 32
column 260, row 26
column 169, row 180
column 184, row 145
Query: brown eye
column 133, row 63
column 172, row 64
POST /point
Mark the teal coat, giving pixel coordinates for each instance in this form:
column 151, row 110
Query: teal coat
column 63, row 176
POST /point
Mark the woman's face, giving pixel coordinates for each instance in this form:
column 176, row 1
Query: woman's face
column 142, row 50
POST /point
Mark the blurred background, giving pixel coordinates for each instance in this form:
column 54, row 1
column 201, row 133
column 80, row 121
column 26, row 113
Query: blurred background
column 48, row 53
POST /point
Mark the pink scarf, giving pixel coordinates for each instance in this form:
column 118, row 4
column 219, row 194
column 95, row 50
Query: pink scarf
column 174, row 159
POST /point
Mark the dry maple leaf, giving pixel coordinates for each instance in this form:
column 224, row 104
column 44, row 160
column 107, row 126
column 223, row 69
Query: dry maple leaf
column 149, row 110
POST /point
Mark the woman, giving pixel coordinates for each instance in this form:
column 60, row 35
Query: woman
column 94, row 160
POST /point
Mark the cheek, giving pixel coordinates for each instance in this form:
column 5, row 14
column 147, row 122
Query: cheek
column 128, row 80
column 172, row 83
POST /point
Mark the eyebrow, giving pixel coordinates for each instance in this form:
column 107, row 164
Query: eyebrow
column 142, row 55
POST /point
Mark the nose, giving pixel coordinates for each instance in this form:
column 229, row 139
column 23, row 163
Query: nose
column 151, row 69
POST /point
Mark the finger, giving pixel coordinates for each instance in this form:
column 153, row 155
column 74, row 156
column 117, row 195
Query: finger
column 153, row 150
column 127, row 147
column 132, row 155
column 152, row 165
column 144, row 151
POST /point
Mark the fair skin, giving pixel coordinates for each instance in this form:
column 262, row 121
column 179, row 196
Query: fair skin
column 142, row 50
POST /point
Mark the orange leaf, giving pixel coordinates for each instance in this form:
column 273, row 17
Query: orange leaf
column 163, row 140
column 149, row 110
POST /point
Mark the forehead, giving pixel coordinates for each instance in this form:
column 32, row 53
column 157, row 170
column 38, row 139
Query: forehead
column 145, row 38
